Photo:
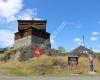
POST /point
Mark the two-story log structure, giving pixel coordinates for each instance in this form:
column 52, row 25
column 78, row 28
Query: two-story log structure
column 31, row 34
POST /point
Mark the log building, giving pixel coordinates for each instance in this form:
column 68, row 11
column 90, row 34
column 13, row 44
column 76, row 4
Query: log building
column 31, row 33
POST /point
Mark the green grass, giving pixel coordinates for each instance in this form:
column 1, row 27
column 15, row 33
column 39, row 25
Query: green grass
column 11, row 71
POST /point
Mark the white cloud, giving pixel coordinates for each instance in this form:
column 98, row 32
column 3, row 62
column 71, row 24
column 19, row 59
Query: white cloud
column 95, row 33
column 78, row 41
column 9, row 9
column 6, row 37
column 28, row 14
column 94, row 38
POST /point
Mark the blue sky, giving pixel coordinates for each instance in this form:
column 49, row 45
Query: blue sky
column 82, row 17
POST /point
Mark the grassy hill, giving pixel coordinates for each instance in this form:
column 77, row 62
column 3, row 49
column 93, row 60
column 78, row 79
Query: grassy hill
column 46, row 65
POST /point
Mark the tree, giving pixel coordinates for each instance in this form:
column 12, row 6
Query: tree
column 61, row 49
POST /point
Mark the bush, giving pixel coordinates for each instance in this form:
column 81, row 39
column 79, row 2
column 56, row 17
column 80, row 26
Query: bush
column 56, row 62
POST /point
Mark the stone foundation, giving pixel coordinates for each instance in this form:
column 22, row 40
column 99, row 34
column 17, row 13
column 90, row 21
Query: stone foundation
column 26, row 45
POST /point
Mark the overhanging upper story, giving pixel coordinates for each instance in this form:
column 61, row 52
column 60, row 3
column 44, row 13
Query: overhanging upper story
column 24, row 24
column 32, row 31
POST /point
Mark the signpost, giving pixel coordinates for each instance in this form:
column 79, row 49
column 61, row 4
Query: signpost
column 73, row 61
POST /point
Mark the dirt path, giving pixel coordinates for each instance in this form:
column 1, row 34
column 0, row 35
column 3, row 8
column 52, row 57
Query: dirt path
column 52, row 78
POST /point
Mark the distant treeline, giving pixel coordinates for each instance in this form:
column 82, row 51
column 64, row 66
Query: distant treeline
column 2, row 50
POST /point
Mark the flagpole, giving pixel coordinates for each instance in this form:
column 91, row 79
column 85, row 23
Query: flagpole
column 83, row 40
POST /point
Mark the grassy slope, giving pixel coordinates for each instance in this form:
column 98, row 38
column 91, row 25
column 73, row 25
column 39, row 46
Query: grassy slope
column 53, row 66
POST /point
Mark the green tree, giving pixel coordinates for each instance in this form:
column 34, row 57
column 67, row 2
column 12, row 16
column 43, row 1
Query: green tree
column 61, row 49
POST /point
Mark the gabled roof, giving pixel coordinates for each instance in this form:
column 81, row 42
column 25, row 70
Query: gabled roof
column 82, row 49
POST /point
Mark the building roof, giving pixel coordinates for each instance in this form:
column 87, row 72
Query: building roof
column 32, row 20
column 81, row 49
column 24, row 24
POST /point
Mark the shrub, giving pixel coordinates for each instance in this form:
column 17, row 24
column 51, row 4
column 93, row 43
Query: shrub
column 56, row 62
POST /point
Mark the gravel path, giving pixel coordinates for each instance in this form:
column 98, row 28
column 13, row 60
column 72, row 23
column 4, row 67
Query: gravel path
column 52, row 78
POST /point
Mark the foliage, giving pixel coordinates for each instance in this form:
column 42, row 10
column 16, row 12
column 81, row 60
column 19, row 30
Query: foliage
column 61, row 49
column 56, row 62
